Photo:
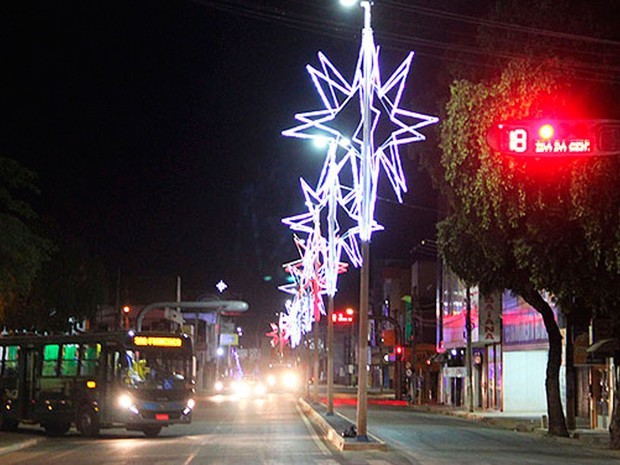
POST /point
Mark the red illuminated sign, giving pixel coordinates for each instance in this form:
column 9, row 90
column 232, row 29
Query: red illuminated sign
column 556, row 138
column 343, row 317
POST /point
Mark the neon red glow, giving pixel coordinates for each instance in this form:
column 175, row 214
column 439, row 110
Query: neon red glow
column 342, row 318
column 546, row 131
column 556, row 138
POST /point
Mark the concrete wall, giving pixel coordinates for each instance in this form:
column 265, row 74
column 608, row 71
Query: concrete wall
column 524, row 381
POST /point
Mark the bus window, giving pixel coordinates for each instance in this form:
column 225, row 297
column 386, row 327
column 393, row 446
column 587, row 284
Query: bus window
column 69, row 361
column 50, row 360
column 8, row 365
column 90, row 357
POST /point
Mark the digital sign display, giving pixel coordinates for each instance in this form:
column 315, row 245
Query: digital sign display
column 157, row 341
column 555, row 138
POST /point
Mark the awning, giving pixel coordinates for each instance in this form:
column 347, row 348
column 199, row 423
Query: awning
column 604, row 346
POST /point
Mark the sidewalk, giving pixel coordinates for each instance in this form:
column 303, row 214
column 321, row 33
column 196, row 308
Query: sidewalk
column 526, row 422
column 522, row 422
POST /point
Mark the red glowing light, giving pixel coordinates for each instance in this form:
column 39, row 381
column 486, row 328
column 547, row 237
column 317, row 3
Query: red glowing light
column 343, row 317
column 546, row 131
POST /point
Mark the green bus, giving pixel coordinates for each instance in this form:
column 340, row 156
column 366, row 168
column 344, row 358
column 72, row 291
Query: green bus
column 138, row 381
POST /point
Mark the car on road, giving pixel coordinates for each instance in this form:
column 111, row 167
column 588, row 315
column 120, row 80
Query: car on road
column 250, row 387
column 283, row 377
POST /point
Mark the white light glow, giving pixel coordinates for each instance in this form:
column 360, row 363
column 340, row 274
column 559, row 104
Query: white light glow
column 340, row 209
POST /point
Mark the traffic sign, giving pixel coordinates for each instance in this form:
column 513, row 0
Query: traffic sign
column 556, row 137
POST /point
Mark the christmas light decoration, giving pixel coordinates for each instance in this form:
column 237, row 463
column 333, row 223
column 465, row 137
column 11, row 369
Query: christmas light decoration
column 349, row 179
column 384, row 103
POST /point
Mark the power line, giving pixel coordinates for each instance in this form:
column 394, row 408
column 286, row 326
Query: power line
column 597, row 72
column 498, row 24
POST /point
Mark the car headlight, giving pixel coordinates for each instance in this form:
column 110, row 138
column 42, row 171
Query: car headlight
column 271, row 380
column 290, row 380
column 191, row 403
column 219, row 386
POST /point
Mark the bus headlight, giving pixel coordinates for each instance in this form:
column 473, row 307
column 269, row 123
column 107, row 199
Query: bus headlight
column 125, row 401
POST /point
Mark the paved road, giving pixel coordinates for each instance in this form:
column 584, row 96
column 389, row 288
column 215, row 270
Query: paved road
column 224, row 431
column 274, row 431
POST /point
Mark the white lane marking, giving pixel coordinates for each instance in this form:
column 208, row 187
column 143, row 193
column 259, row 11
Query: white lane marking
column 191, row 458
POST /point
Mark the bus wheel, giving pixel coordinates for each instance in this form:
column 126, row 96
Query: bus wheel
column 151, row 431
column 57, row 428
column 87, row 422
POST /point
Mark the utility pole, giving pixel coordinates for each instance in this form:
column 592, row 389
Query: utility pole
column 468, row 353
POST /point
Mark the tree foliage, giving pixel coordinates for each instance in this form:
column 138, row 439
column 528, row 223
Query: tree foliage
column 528, row 225
column 23, row 250
column 70, row 287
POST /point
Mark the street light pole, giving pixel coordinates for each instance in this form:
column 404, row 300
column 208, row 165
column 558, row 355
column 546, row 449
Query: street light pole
column 366, row 207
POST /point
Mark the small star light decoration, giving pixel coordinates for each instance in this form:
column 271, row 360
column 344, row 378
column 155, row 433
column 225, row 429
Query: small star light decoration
column 275, row 335
column 221, row 286
column 307, row 289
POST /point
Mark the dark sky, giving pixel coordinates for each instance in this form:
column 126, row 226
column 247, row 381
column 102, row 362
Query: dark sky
column 155, row 128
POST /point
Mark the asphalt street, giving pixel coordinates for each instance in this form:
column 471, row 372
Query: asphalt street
column 274, row 430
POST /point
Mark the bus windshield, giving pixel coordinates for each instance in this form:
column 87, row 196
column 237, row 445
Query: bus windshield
column 156, row 369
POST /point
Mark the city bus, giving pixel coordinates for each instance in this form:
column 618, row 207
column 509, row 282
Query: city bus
column 138, row 381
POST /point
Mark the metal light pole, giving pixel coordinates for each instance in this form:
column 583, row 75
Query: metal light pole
column 330, row 356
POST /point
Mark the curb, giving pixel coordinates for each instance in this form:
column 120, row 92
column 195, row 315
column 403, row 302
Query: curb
column 341, row 443
column 19, row 446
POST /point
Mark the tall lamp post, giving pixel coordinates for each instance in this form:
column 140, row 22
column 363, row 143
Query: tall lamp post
column 366, row 214
column 357, row 152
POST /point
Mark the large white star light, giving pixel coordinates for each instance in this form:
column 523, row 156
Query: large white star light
column 384, row 99
column 322, row 204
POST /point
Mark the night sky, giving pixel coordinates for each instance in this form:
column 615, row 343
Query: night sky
column 154, row 128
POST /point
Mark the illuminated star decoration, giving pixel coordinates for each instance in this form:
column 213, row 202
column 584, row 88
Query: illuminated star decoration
column 275, row 335
column 221, row 286
column 323, row 201
column 307, row 288
column 384, row 98
column 350, row 175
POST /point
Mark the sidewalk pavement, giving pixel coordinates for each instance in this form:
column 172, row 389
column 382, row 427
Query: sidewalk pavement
column 527, row 422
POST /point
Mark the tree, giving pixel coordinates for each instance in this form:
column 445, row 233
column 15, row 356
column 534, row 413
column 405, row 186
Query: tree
column 527, row 226
column 22, row 249
column 69, row 287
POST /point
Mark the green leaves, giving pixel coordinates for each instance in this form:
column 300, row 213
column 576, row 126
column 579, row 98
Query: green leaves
column 554, row 225
column 22, row 250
